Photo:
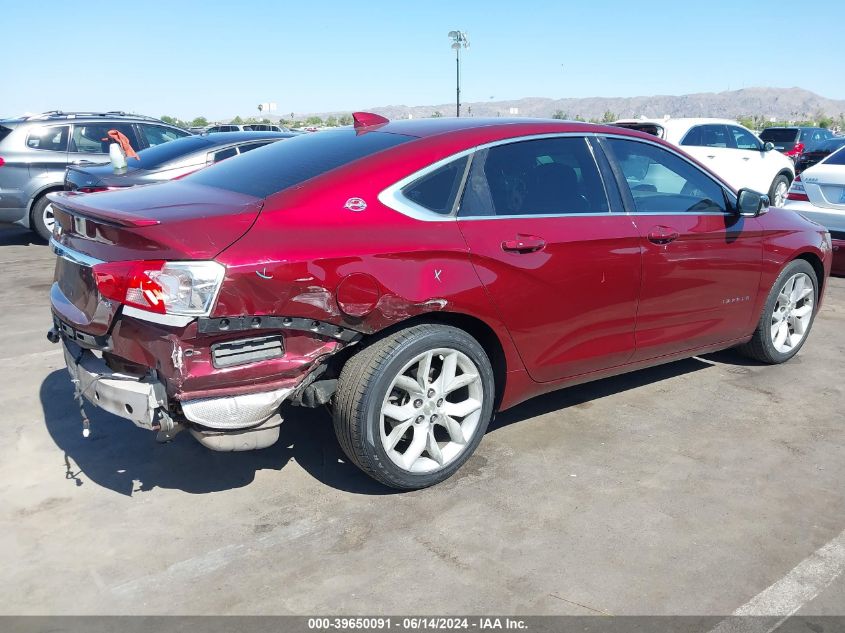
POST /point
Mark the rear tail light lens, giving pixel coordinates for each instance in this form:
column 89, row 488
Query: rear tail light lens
column 177, row 288
column 2, row 162
column 796, row 151
column 797, row 191
column 93, row 189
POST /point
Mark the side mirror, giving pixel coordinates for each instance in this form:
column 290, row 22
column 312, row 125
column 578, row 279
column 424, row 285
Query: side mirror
column 768, row 147
column 752, row 203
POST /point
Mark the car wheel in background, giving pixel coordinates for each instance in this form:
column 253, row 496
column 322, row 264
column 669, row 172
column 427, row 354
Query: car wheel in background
column 41, row 219
column 787, row 316
column 411, row 408
column 778, row 191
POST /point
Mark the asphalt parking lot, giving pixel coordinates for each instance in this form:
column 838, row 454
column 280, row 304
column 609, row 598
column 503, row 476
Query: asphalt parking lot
column 686, row 489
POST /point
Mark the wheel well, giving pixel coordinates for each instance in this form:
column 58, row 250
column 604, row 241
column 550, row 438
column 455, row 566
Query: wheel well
column 43, row 193
column 816, row 263
column 475, row 327
column 788, row 174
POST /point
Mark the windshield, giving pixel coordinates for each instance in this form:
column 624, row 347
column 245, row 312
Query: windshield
column 277, row 166
column 153, row 157
column 779, row 135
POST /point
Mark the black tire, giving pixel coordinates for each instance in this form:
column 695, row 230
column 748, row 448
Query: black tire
column 761, row 347
column 362, row 388
column 779, row 180
column 36, row 219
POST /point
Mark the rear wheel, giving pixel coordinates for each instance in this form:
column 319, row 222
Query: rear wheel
column 778, row 191
column 42, row 220
column 410, row 409
column 787, row 316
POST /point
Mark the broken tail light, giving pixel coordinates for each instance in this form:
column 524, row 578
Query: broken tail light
column 160, row 287
column 796, row 151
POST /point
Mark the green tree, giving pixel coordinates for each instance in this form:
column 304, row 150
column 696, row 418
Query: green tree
column 561, row 115
column 438, row 114
column 608, row 117
column 578, row 117
column 331, row 122
column 237, row 121
column 200, row 121
column 346, row 119
column 314, row 121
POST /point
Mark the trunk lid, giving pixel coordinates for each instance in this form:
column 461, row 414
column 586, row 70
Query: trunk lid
column 167, row 221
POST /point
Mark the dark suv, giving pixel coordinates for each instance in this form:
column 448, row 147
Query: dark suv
column 35, row 150
column 792, row 140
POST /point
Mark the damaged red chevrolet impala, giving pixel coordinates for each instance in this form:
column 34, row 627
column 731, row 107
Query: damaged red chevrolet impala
column 417, row 277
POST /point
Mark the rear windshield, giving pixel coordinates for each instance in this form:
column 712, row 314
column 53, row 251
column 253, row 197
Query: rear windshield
column 278, row 166
column 837, row 158
column 826, row 146
column 779, row 135
column 4, row 132
column 164, row 152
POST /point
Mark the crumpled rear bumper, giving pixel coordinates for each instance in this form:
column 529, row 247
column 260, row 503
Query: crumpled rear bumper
column 143, row 400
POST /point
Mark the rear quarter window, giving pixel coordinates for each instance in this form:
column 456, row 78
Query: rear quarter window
column 438, row 190
column 4, row 132
column 268, row 170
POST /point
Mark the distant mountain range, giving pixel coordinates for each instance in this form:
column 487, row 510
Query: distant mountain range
column 778, row 103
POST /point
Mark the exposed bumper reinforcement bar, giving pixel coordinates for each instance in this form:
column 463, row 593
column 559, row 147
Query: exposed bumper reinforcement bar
column 121, row 394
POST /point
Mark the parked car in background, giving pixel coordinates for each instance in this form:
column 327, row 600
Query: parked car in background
column 229, row 127
column 791, row 141
column 731, row 150
column 819, row 194
column 417, row 276
column 166, row 162
column 265, row 127
column 35, row 151
column 818, row 151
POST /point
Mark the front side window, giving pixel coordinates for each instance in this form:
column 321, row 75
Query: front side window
column 743, row 139
column 553, row 176
column 92, row 138
column 662, row 182
column 438, row 190
column 52, row 137
column 157, row 135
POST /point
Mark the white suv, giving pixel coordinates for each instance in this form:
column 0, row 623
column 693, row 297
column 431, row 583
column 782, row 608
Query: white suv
column 732, row 151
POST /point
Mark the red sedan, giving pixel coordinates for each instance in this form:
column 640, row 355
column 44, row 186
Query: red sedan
column 417, row 277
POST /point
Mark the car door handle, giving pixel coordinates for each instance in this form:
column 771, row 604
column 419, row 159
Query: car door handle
column 711, row 156
column 662, row 235
column 746, row 158
column 524, row 244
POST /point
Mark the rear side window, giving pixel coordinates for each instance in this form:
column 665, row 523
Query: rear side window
column 662, row 182
column 743, row 139
column 53, row 138
column 92, row 138
column 438, row 190
column 278, row 166
column 223, row 154
column 247, row 147
column 708, row 136
column 4, row 132
column 543, row 177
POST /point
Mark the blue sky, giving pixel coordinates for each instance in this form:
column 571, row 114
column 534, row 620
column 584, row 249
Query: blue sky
column 219, row 59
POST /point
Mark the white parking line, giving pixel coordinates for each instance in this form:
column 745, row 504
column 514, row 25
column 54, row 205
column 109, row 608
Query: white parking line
column 14, row 360
column 782, row 599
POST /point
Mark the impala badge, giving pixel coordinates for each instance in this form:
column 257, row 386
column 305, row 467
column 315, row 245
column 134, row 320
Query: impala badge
column 355, row 204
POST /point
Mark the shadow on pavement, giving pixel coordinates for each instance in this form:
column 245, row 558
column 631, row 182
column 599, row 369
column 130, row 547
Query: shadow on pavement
column 126, row 459
column 19, row 236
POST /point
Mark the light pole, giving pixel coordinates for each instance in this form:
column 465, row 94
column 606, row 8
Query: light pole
column 459, row 40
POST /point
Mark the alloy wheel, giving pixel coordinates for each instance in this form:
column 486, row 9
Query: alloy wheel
column 780, row 194
column 792, row 313
column 432, row 410
column 49, row 218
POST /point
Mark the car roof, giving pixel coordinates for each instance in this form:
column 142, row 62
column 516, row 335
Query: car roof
column 247, row 135
column 424, row 128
